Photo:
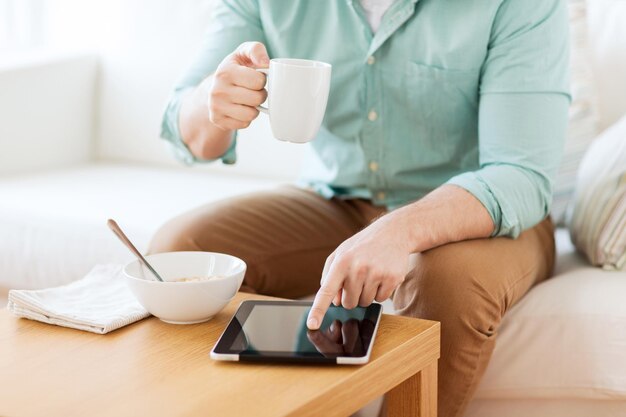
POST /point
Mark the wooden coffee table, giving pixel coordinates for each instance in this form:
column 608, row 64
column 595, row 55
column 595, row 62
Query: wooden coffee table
column 155, row 369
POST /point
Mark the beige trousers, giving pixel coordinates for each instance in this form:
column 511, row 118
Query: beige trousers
column 285, row 235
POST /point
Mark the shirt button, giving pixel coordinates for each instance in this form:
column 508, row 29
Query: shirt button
column 373, row 166
column 371, row 60
column 380, row 195
column 372, row 116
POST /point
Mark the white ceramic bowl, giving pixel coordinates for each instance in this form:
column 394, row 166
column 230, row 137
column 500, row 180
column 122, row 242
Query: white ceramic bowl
column 186, row 302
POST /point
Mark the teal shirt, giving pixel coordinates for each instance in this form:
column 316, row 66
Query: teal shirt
column 466, row 92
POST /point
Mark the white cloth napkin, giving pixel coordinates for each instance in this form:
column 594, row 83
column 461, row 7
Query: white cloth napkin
column 100, row 302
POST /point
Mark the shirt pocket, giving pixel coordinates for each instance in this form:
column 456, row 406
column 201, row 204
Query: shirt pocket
column 443, row 106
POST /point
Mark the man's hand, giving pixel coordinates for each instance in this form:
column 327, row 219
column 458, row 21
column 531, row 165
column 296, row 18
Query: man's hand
column 372, row 263
column 230, row 95
column 364, row 268
column 237, row 89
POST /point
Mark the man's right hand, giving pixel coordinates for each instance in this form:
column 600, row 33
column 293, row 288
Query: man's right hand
column 237, row 89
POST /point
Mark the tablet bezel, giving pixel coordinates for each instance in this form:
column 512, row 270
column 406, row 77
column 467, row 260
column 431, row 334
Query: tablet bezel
column 222, row 352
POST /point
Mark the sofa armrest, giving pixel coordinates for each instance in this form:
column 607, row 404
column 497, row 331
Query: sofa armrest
column 46, row 111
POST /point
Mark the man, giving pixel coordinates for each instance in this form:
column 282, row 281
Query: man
column 430, row 178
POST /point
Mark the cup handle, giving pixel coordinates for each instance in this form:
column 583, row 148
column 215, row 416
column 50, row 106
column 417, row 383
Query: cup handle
column 265, row 71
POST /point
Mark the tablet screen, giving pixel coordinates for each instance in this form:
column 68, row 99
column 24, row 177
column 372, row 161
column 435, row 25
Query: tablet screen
column 278, row 329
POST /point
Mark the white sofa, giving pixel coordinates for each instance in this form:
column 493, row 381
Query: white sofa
column 79, row 144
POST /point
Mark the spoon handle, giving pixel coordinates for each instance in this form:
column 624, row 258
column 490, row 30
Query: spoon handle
column 122, row 236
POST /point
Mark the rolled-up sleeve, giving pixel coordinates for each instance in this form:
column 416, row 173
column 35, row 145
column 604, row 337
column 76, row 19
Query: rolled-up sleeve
column 233, row 22
column 524, row 100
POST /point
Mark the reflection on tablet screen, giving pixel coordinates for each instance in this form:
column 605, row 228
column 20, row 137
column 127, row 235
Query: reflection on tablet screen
column 270, row 329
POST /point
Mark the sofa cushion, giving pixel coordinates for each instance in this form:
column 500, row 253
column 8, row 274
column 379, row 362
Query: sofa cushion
column 565, row 339
column 546, row 407
column 53, row 224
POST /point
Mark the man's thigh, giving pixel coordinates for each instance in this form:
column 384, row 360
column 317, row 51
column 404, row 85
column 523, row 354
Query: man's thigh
column 496, row 271
column 283, row 235
column 468, row 286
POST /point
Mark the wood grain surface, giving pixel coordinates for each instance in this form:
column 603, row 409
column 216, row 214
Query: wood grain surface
column 151, row 368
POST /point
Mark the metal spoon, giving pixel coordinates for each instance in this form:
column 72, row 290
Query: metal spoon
column 126, row 241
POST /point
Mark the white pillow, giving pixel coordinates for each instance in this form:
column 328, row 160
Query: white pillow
column 598, row 221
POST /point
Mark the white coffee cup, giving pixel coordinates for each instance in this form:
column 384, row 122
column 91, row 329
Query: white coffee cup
column 297, row 96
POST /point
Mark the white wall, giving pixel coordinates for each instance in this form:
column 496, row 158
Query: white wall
column 46, row 112
column 144, row 45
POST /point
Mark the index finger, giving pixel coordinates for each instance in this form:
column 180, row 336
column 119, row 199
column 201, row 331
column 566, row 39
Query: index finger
column 252, row 54
column 323, row 298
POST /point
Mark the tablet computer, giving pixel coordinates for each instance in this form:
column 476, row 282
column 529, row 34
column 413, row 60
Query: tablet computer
column 276, row 331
